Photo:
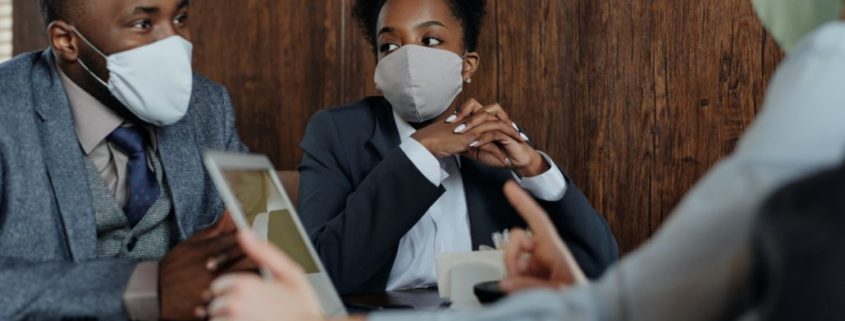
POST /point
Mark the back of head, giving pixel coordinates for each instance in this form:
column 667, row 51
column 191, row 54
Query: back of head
column 799, row 248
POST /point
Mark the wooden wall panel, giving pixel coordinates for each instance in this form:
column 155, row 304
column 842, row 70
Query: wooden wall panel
column 634, row 99
column 716, row 76
column 280, row 70
column 27, row 27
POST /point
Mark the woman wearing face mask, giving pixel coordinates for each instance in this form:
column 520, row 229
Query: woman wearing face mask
column 391, row 182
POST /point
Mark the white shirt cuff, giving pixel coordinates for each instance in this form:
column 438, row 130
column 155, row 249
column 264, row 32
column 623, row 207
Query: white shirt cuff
column 549, row 186
column 424, row 160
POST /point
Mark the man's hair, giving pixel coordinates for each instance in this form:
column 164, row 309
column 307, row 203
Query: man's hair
column 470, row 13
column 52, row 10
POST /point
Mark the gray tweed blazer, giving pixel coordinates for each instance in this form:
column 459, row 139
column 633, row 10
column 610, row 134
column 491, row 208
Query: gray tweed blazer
column 49, row 267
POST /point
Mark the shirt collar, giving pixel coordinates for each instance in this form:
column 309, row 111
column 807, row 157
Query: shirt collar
column 406, row 131
column 93, row 120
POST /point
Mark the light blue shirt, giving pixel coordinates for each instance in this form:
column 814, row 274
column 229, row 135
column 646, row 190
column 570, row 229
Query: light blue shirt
column 697, row 266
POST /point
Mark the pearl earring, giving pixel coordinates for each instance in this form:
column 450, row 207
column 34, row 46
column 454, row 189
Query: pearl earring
column 469, row 80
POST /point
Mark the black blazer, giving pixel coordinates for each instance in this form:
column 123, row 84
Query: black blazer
column 359, row 194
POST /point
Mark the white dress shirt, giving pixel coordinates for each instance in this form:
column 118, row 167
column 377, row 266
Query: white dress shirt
column 697, row 266
column 445, row 227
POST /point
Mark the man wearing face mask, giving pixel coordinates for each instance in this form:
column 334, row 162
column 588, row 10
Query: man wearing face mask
column 389, row 183
column 105, row 206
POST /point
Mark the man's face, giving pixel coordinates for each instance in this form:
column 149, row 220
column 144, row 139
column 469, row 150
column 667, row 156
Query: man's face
column 115, row 26
column 120, row 25
column 112, row 26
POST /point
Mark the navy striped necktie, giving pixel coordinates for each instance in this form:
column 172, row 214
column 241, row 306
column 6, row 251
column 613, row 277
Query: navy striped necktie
column 143, row 190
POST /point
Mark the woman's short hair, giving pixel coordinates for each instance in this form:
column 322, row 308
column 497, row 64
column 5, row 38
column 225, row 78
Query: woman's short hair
column 470, row 13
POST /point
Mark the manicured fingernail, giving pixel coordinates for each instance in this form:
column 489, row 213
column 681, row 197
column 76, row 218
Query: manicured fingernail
column 474, row 144
column 460, row 129
column 515, row 126
column 200, row 312
column 452, row 119
column 211, row 264
column 524, row 137
column 508, row 162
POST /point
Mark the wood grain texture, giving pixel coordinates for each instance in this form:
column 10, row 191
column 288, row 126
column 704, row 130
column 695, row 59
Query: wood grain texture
column 634, row 99
column 27, row 27
column 279, row 70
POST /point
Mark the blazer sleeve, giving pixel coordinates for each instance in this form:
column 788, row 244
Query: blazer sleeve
column 356, row 228
column 233, row 140
column 584, row 231
column 59, row 290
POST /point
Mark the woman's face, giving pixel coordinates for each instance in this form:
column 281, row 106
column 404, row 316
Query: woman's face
column 428, row 23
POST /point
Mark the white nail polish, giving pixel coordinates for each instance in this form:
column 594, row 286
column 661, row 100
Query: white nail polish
column 474, row 144
column 515, row 126
column 452, row 119
column 524, row 137
column 460, row 129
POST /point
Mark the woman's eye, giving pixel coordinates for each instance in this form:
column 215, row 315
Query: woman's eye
column 388, row 47
column 181, row 19
column 145, row 24
column 431, row 42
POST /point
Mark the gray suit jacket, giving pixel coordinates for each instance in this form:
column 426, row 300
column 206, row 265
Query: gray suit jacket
column 48, row 263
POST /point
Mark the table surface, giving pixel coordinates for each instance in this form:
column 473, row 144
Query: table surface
column 417, row 299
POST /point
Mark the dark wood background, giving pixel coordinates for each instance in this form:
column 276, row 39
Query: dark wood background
column 634, row 99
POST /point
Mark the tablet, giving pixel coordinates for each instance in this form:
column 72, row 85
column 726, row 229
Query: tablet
column 258, row 202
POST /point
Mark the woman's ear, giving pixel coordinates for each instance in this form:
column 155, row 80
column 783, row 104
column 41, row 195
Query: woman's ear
column 61, row 38
column 471, row 62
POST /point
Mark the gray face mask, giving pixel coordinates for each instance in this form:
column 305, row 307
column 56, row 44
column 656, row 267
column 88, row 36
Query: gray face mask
column 790, row 20
column 420, row 82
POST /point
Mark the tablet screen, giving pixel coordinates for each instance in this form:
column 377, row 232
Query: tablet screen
column 268, row 214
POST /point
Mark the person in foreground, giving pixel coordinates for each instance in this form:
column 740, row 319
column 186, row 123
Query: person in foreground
column 389, row 183
column 104, row 198
column 699, row 264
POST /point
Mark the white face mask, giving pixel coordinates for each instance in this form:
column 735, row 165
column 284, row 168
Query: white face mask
column 420, row 82
column 790, row 20
column 154, row 81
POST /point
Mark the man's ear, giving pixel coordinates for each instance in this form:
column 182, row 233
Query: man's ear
column 471, row 63
column 63, row 40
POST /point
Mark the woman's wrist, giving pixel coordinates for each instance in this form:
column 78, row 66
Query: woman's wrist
column 535, row 167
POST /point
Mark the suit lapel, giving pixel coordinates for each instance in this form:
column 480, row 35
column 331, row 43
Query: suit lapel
column 182, row 165
column 65, row 160
column 385, row 136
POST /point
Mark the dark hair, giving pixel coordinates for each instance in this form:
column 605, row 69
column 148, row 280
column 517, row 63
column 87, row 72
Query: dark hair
column 52, row 10
column 470, row 13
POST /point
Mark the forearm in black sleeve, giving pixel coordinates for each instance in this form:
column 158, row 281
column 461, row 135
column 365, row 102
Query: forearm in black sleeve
column 356, row 228
column 357, row 232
